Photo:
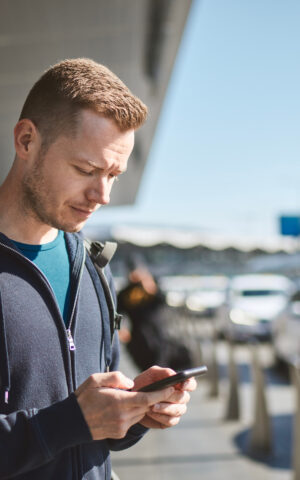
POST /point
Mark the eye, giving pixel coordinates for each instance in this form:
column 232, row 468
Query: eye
column 84, row 172
column 113, row 177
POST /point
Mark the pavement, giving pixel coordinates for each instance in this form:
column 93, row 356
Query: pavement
column 204, row 444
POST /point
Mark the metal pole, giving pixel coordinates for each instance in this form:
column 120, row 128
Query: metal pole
column 233, row 404
column 214, row 372
column 261, row 434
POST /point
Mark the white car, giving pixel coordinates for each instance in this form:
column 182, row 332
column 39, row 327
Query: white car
column 253, row 302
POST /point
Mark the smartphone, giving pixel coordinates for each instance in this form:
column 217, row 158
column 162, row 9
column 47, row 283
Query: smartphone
column 178, row 377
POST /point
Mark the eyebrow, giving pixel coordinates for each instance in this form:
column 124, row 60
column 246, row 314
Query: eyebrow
column 93, row 165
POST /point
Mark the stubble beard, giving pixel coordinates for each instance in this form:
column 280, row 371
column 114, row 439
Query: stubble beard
column 36, row 202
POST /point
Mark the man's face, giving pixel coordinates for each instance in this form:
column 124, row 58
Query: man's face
column 64, row 186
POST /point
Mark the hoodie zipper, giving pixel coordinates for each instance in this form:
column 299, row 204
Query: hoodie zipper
column 70, row 340
column 72, row 346
column 5, row 369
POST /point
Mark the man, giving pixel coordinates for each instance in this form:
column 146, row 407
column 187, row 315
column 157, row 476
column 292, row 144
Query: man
column 63, row 404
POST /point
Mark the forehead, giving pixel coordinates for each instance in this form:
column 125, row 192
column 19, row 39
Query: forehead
column 104, row 131
column 97, row 140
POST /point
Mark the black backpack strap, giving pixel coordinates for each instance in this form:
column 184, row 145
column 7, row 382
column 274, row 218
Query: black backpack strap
column 101, row 254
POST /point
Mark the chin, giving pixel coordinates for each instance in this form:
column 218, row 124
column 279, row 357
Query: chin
column 73, row 229
column 70, row 225
column 69, row 228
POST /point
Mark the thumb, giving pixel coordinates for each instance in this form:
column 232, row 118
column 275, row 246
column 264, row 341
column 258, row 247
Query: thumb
column 151, row 398
column 113, row 380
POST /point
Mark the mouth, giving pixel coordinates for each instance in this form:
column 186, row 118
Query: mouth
column 84, row 213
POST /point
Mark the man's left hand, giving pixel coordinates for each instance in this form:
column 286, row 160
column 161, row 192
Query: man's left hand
column 166, row 414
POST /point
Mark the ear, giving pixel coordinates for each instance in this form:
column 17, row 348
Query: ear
column 27, row 138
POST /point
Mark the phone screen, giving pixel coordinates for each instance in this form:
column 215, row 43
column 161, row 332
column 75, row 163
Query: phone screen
column 178, row 377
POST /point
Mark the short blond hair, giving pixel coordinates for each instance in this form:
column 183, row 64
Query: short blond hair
column 55, row 100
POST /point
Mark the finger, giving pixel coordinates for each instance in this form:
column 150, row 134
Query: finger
column 111, row 379
column 149, row 422
column 189, row 385
column 151, row 398
column 170, row 409
column 150, row 375
column 165, row 421
column 137, row 419
column 179, row 397
column 158, row 372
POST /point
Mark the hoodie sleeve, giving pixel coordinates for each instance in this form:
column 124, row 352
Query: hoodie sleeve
column 32, row 438
column 134, row 434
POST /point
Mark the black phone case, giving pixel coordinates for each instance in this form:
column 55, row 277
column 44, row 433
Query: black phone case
column 179, row 377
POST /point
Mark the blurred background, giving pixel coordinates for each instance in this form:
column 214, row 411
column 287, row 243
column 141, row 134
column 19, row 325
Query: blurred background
column 207, row 217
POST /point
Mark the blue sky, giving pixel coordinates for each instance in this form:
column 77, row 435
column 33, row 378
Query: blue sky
column 225, row 157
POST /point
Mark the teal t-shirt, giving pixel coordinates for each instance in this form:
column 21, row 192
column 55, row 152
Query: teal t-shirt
column 53, row 260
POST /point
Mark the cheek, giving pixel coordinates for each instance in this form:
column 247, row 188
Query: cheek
column 64, row 187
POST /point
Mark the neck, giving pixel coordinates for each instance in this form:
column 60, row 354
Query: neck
column 17, row 223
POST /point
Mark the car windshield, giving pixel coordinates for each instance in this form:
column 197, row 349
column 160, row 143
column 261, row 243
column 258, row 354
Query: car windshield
column 258, row 293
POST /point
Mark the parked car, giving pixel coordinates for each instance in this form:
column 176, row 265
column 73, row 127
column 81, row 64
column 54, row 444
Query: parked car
column 286, row 332
column 252, row 303
column 208, row 297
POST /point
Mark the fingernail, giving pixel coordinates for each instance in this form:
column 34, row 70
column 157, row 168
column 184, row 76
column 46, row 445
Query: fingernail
column 130, row 385
column 156, row 407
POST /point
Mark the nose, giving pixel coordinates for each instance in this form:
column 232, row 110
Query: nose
column 99, row 192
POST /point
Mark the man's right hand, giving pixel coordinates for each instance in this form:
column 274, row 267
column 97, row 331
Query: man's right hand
column 110, row 410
